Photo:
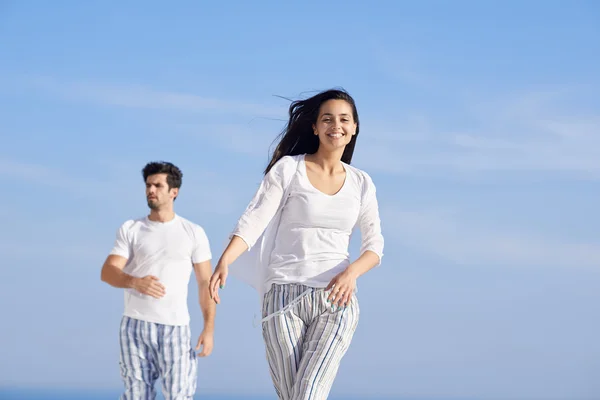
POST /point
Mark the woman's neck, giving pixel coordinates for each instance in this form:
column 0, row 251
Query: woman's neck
column 330, row 162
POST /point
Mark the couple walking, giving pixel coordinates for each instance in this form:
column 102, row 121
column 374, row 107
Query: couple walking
column 290, row 244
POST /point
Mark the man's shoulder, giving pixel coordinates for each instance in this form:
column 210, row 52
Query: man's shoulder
column 188, row 222
column 131, row 224
column 189, row 226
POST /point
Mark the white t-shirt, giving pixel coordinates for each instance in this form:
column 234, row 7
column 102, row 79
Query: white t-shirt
column 313, row 235
column 168, row 251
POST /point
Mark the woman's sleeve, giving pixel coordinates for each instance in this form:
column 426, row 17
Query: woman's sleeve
column 262, row 207
column 368, row 220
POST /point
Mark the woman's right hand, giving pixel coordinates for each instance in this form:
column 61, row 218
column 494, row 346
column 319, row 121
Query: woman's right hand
column 217, row 280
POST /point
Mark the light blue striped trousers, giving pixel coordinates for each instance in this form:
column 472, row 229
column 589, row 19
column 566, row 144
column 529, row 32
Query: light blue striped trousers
column 306, row 343
column 150, row 351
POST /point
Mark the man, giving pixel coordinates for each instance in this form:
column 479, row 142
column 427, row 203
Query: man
column 152, row 260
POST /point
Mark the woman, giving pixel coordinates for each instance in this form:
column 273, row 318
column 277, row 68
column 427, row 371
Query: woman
column 298, row 227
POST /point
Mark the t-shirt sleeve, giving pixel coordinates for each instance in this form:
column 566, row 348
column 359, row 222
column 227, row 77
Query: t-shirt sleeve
column 369, row 221
column 201, row 250
column 263, row 206
column 122, row 245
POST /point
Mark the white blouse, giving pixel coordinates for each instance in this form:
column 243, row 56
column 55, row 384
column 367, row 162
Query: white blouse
column 311, row 239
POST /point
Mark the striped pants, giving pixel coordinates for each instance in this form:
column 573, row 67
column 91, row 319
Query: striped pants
column 305, row 344
column 150, row 351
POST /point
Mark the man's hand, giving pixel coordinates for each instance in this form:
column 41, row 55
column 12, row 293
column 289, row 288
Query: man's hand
column 206, row 341
column 149, row 285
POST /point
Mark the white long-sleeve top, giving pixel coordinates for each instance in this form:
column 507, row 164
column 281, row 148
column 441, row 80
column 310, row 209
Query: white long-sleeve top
column 310, row 233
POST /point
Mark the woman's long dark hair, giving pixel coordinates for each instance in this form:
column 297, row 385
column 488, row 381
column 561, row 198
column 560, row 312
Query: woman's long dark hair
column 298, row 136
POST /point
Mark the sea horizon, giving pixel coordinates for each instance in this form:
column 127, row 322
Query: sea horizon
column 24, row 393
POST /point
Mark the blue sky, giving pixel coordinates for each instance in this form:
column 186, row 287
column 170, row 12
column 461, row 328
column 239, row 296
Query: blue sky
column 480, row 127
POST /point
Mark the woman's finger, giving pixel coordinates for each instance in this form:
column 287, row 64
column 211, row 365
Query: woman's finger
column 331, row 295
column 211, row 286
column 335, row 294
column 217, row 297
column 216, row 290
column 216, row 286
column 347, row 298
column 341, row 297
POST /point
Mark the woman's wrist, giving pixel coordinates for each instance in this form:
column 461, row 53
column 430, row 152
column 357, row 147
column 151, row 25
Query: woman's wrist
column 353, row 271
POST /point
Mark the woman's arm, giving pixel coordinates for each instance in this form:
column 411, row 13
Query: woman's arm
column 259, row 212
column 234, row 249
column 369, row 222
column 367, row 261
column 371, row 250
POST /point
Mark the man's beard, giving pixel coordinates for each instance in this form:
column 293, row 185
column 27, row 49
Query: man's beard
column 153, row 204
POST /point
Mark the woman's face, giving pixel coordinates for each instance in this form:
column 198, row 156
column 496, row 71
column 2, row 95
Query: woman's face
column 335, row 124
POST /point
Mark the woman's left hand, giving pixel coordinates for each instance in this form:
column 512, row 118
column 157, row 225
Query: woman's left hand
column 342, row 287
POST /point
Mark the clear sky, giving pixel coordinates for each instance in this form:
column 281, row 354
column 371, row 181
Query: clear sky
column 480, row 125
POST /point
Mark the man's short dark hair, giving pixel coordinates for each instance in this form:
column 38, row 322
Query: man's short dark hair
column 174, row 174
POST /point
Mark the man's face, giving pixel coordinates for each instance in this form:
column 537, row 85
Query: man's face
column 158, row 193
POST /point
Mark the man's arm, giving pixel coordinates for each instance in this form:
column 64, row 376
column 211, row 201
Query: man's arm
column 112, row 273
column 203, row 272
